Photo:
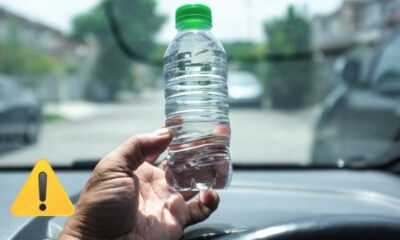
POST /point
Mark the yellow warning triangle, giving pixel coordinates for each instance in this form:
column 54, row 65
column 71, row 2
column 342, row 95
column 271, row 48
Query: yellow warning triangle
column 42, row 194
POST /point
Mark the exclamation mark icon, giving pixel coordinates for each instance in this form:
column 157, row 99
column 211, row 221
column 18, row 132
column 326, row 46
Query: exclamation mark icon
column 42, row 190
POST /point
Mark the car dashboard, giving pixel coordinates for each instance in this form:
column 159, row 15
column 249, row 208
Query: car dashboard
column 256, row 198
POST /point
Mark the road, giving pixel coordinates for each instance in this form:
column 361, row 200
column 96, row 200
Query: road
column 258, row 136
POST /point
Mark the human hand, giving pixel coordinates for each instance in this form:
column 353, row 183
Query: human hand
column 127, row 197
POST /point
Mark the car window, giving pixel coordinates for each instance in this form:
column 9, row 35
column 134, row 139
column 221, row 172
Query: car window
column 388, row 63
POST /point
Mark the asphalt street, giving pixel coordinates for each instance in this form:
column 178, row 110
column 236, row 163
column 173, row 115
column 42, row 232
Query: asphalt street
column 258, row 135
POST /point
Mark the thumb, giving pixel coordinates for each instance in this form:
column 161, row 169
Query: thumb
column 128, row 156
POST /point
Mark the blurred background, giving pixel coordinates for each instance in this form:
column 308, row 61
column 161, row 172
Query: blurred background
column 77, row 78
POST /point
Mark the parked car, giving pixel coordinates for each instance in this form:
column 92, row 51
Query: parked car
column 360, row 121
column 244, row 89
column 20, row 112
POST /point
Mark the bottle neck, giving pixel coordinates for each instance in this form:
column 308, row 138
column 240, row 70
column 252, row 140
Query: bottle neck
column 193, row 24
column 194, row 30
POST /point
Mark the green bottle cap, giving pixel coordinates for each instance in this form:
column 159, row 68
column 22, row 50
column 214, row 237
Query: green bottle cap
column 193, row 16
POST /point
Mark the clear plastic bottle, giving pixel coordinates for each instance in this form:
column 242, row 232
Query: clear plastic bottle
column 196, row 109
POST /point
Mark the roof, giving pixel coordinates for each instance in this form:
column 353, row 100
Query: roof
column 344, row 3
column 34, row 24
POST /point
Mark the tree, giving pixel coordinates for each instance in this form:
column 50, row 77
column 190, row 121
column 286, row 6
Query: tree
column 290, row 35
column 245, row 51
column 289, row 51
column 138, row 22
column 24, row 61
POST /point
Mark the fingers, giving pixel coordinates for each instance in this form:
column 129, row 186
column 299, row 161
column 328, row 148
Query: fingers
column 133, row 152
column 202, row 207
column 187, row 195
column 198, row 209
column 176, row 205
column 163, row 165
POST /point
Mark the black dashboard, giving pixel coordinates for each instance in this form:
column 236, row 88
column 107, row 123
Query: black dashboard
column 256, row 199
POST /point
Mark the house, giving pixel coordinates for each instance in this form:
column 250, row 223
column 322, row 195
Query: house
column 68, row 86
column 356, row 22
column 15, row 28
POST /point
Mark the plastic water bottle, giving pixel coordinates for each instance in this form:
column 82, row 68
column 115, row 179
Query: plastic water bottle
column 196, row 109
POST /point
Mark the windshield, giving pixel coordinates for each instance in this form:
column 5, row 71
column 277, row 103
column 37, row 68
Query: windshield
column 91, row 74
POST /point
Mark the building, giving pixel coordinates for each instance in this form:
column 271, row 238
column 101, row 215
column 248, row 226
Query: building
column 51, row 41
column 15, row 28
column 356, row 22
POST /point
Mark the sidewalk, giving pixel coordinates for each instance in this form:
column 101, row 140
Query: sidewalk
column 70, row 110
column 78, row 110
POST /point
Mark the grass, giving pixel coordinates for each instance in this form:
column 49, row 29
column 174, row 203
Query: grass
column 52, row 117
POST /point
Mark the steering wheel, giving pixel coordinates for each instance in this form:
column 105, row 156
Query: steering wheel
column 341, row 227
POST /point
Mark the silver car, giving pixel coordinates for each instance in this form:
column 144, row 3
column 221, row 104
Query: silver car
column 244, row 89
column 20, row 112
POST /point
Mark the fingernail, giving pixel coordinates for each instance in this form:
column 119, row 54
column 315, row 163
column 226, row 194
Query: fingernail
column 161, row 131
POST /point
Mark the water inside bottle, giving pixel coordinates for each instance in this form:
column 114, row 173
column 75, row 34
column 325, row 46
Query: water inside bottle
column 197, row 114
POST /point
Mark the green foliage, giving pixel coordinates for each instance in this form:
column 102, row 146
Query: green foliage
column 23, row 61
column 52, row 117
column 244, row 51
column 289, row 35
column 92, row 23
column 158, row 53
column 290, row 69
column 138, row 22
column 247, row 56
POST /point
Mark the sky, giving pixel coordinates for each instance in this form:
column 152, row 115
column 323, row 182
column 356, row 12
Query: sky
column 232, row 19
